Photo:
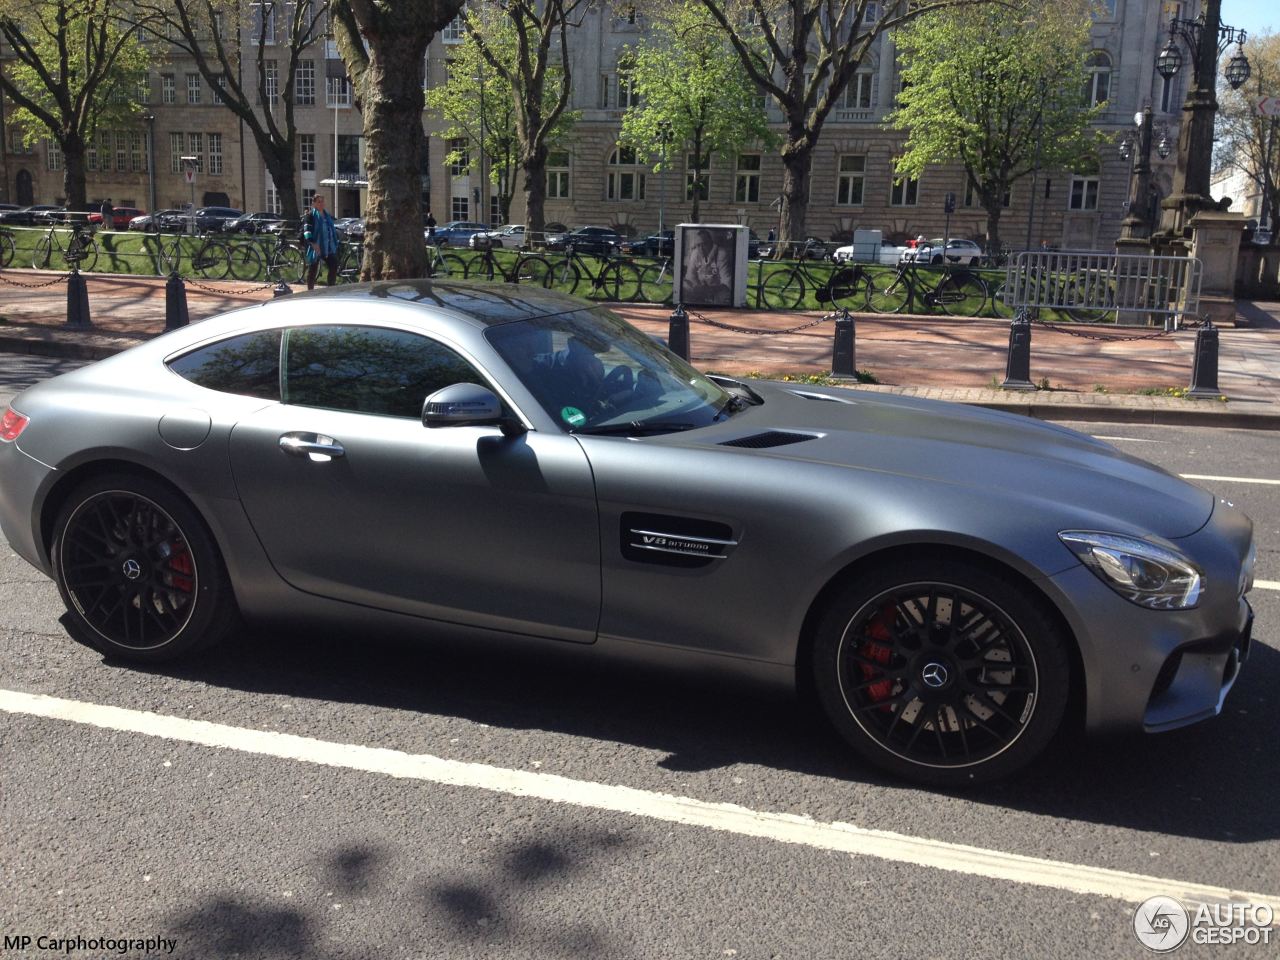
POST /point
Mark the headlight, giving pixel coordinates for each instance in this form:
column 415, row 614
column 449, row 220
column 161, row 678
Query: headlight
column 1140, row 571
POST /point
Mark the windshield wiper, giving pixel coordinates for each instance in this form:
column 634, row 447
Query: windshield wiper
column 635, row 427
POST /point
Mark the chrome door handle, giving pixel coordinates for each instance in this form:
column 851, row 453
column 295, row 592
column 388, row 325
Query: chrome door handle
column 316, row 446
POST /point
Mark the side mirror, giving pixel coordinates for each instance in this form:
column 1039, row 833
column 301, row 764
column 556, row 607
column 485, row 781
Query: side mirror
column 463, row 405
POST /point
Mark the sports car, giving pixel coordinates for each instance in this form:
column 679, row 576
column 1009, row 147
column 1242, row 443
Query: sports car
column 951, row 585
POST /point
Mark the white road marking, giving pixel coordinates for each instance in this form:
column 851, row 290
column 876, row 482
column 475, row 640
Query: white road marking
column 1266, row 584
column 727, row 817
column 1202, row 476
column 1129, row 439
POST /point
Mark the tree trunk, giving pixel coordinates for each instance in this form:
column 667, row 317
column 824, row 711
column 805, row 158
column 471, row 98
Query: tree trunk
column 697, row 175
column 392, row 106
column 533, row 168
column 279, row 162
column 73, row 184
column 994, row 206
column 797, row 160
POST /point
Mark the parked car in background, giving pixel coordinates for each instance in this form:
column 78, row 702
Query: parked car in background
column 885, row 252
column 455, row 233
column 214, row 219
column 120, row 217
column 28, row 216
column 511, row 237
column 662, row 244
column 964, row 252
column 599, row 241
column 253, row 222
column 350, row 228
column 154, row 221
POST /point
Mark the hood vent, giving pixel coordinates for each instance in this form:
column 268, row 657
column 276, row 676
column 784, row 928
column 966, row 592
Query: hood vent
column 770, row 438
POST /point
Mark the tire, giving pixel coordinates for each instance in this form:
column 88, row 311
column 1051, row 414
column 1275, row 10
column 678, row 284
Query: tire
column 996, row 307
column 168, row 254
column 564, row 276
column 244, row 260
column 211, row 262
column 138, row 570
column 888, row 291
column 450, row 266
column 532, row 270
column 41, row 254
column 656, row 282
column 931, row 702
column 962, row 295
column 481, row 267
column 287, row 265
column 7, row 249
column 350, row 262
column 783, row 289
column 88, row 258
column 619, row 281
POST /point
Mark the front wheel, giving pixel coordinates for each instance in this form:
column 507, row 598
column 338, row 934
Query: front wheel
column 887, row 291
column 961, row 295
column 783, row 289
column 533, row 270
column 40, row 257
column 619, row 281
column 211, row 262
column 138, row 570
column 85, row 258
column 287, row 265
column 245, row 261
column 656, row 282
column 940, row 671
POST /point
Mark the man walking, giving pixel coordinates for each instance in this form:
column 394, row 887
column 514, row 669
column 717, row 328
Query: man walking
column 322, row 241
column 108, row 215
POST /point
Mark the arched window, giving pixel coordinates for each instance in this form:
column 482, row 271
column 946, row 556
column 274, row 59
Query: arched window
column 1097, row 88
column 626, row 176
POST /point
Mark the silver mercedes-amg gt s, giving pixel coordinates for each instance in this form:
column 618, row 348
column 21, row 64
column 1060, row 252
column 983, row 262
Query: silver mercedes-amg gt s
column 500, row 461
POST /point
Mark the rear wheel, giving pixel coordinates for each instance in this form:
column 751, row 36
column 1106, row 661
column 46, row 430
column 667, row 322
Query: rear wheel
column 211, row 262
column 533, row 270
column 138, row 570
column 783, row 289
column 887, row 291
column 287, row 264
column 7, row 249
column 43, row 250
column 82, row 256
column 656, row 282
column 940, row 671
column 962, row 294
column 619, row 281
column 245, row 261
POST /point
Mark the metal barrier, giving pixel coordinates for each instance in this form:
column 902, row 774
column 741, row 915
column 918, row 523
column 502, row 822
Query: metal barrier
column 1091, row 286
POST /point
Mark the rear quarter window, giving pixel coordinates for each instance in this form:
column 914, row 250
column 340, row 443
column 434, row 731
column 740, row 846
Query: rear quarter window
column 248, row 365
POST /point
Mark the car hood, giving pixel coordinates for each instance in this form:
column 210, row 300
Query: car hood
column 958, row 444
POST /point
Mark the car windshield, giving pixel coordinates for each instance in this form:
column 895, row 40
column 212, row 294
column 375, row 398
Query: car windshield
column 594, row 373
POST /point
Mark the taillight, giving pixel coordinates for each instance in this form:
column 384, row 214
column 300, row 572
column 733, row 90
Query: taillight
column 12, row 425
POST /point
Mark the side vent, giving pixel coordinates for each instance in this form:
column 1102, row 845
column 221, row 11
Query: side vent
column 770, row 438
column 674, row 541
column 804, row 395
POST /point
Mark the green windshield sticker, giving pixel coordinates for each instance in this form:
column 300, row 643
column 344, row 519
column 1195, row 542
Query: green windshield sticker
column 573, row 416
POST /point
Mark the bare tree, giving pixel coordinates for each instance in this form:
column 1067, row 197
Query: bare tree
column 812, row 49
column 384, row 44
column 279, row 33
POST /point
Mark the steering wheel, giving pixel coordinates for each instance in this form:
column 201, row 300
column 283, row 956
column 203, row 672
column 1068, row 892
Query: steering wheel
column 618, row 381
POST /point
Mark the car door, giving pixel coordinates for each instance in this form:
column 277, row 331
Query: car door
column 354, row 499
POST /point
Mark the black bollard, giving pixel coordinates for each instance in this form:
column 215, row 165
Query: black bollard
column 77, row 302
column 175, row 303
column 1204, row 367
column 678, row 333
column 281, row 289
column 843, row 351
column 1017, row 372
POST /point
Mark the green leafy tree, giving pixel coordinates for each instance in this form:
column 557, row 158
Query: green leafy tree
column 276, row 35
column 998, row 88
column 384, row 45
column 75, row 65
column 1246, row 141
column 811, row 50
column 694, row 94
column 479, row 105
column 538, row 76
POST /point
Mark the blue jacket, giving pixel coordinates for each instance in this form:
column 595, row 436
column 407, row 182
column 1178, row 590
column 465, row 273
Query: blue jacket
column 320, row 230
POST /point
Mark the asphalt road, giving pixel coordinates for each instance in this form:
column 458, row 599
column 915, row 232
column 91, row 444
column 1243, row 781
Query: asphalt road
column 318, row 852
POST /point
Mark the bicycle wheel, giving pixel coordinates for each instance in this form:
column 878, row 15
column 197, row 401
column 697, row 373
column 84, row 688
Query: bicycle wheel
column 656, row 282
column 286, row 265
column 532, row 270
column 887, row 292
column 168, row 254
column 211, row 262
column 847, row 288
column 449, row 266
column 40, row 256
column 245, row 262
column 961, row 294
column 7, row 249
column 350, row 262
column 1078, row 292
column 997, row 307
column 482, row 267
column 782, row 289
column 87, row 255
column 565, row 276
column 619, row 281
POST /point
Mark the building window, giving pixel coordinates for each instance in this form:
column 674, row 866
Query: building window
column 851, row 180
column 137, row 155
column 122, row 152
column 193, row 88
column 558, row 175
column 264, row 22
column 1097, row 85
column 215, row 154
column 628, row 95
column 143, row 94
column 306, row 152
column 857, row 95
column 271, row 89
column 168, row 88
column 54, row 161
column 746, row 185
column 349, row 155
column 604, row 91
column 495, row 211
column 1084, row 193
column 971, row 198
column 219, row 88
column 872, row 13
column 273, row 199
column 195, row 147
column 91, row 156
column 904, row 192
column 337, row 91
column 626, row 176
column 697, row 177
column 304, row 84
column 460, row 208
column 176, row 144
column 308, row 195
column 453, row 32
column 460, row 165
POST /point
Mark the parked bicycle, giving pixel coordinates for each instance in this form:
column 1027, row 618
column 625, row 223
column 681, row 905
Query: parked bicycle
column 782, row 285
column 956, row 291
column 486, row 264
column 79, row 251
column 616, row 279
column 445, row 265
column 8, row 249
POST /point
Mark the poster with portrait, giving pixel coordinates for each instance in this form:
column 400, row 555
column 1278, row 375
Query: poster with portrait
column 707, row 264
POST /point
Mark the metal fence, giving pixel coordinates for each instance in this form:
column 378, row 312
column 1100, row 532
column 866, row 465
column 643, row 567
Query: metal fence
column 1094, row 286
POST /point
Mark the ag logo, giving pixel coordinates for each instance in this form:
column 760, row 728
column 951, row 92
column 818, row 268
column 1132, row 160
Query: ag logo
column 1161, row 924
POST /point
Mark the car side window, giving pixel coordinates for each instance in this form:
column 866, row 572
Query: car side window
column 369, row 369
column 248, row 365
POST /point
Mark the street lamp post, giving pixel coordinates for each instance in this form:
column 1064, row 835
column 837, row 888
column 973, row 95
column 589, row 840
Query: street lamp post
column 150, row 119
column 1138, row 224
column 1205, row 39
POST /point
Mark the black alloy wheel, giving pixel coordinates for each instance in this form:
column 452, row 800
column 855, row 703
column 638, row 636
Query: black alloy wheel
column 139, row 571
column 945, row 674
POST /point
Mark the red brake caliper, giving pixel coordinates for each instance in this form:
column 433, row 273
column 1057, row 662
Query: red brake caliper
column 180, row 564
column 876, row 646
